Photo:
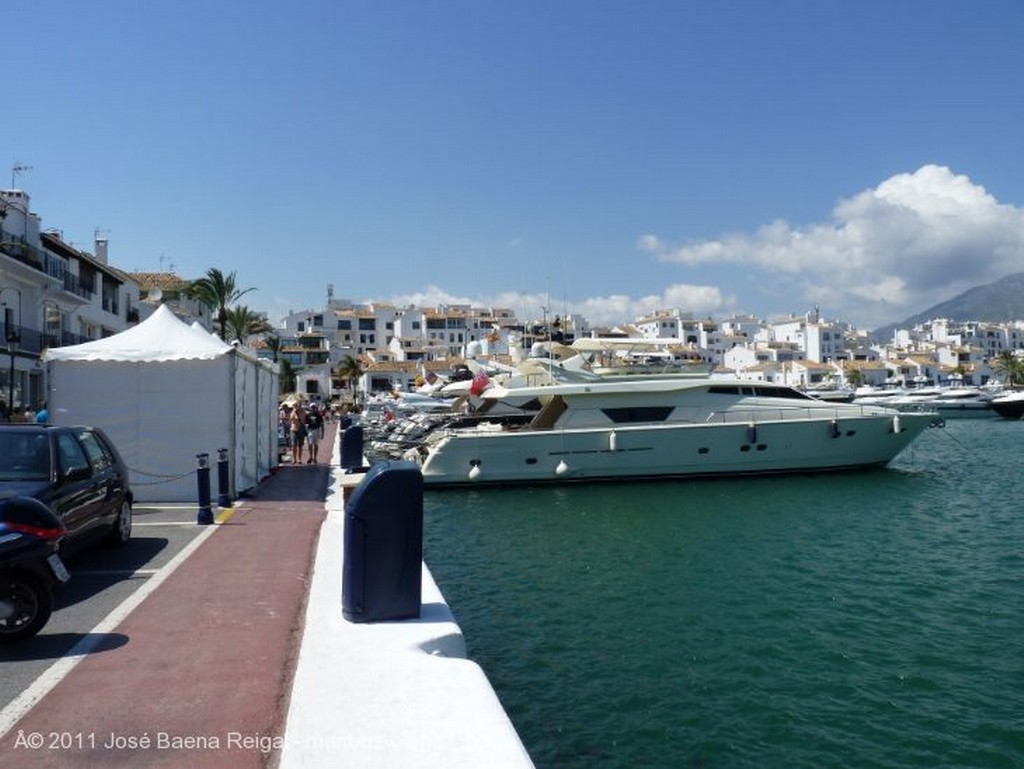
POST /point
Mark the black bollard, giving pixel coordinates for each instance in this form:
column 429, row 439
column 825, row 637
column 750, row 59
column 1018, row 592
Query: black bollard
column 203, row 482
column 352, row 448
column 383, row 557
column 223, row 485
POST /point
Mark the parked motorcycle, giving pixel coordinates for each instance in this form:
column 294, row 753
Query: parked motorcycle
column 30, row 566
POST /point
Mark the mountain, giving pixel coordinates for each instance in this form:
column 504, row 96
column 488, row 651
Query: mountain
column 999, row 301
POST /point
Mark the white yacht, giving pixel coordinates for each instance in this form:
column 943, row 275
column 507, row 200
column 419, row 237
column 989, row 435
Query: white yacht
column 625, row 428
column 1009, row 405
column 950, row 402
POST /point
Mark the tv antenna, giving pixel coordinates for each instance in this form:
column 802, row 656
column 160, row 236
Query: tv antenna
column 17, row 170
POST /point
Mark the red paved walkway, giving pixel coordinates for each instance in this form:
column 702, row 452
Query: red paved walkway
column 206, row 671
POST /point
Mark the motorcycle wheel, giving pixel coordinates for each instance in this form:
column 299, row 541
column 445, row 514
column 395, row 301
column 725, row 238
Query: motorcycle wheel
column 25, row 606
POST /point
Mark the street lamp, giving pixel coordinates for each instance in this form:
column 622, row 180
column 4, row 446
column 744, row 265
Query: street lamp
column 12, row 337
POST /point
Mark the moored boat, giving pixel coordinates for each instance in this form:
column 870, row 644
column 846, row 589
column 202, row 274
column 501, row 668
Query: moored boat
column 1009, row 405
column 949, row 402
column 623, row 428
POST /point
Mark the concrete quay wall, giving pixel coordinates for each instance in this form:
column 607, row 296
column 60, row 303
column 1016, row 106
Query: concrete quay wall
column 388, row 694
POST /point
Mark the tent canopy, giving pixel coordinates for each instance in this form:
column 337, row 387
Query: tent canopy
column 165, row 392
column 161, row 337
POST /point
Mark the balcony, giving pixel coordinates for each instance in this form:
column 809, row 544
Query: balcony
column 39, row 260
column 33, row 341
column 26, row 254
column 74, row 285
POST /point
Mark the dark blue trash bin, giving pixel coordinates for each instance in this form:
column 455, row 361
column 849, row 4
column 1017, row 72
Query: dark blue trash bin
column 382, row 573
column 352, row 447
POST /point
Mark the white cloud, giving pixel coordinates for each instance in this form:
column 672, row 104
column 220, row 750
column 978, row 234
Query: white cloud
column 913, row 241
column 618, row 308
column 888, row 252
column 649, row 243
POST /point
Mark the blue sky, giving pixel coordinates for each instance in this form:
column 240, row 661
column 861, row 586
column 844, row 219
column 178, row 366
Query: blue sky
column 604, row 157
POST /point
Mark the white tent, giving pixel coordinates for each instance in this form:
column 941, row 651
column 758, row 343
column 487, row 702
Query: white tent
column 166, row 392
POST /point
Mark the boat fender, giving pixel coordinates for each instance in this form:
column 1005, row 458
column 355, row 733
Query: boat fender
column 896, row 424
column 562, row 468
column 833, row 428
column 751, row 433
column 612, row 441
column 474, row 472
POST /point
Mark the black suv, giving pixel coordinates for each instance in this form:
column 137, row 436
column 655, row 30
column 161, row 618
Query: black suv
column 76, row 471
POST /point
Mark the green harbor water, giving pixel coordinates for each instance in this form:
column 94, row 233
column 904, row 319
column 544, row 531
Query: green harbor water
column 868, row 619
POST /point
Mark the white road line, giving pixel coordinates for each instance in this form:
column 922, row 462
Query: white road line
column 114, row 572
column 54, row 674
column 180, row 506
column 136, row 523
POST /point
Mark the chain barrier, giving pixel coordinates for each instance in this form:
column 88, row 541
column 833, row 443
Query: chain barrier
column 167, row 478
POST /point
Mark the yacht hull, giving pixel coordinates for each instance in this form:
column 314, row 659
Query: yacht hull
column 1010, row 406
column 670, row 450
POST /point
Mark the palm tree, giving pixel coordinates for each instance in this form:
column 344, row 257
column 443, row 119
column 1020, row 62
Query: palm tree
column 1010, row 367
column 241, row 323
column 274, row 345
column 287, row 377
column 350, row 369
column 218, row 291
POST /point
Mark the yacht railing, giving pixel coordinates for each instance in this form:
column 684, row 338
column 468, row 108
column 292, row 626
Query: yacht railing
column 796, row 413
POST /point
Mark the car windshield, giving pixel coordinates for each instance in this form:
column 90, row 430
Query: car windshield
column 24, row 456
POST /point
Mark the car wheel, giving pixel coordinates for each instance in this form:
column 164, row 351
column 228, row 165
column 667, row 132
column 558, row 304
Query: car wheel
column 122, row 529
column 25, row 606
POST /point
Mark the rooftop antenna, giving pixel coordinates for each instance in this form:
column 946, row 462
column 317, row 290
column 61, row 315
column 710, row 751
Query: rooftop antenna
column 17, row 170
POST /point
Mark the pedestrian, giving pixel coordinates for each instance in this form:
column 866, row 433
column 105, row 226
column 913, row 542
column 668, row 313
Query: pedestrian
column 284, row 418
column 42, row 416
column 298, row 425
column 314, row 425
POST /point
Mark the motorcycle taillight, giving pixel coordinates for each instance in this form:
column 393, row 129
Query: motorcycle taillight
column 27, row 515
column 49, row 533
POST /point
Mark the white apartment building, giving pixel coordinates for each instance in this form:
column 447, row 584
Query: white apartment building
column 745, row 326
column 52, row 294
column 821, row 341
column 707, row 338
